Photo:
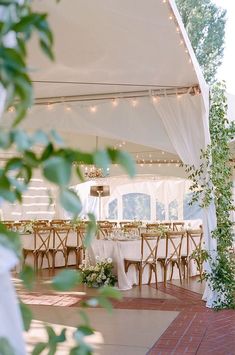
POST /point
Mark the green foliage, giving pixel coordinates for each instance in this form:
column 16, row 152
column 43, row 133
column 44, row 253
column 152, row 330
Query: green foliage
column 213, row 181
column 14, row 75
column 66, row 280
column 205, row 25
column 55, row 161
column 5, row 347
column 99, row 275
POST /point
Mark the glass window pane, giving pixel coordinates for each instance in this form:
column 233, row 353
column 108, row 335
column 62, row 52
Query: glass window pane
column 136, row 206
column 160, row 211
column 173, row 210
column 191, row 212
column 113, row 209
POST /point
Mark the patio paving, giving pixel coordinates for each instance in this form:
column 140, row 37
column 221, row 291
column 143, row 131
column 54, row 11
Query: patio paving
column 188, row 327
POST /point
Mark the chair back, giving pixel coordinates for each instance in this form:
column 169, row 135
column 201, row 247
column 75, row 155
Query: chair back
column 194, row 240
column 60, row 238
column 149, row 246
column 168, row 225
column 57, row 222
column 174, row 241
column 151, row 226
column 43, row 237
column 41, row 223
column 131, row 229
column 177, row 226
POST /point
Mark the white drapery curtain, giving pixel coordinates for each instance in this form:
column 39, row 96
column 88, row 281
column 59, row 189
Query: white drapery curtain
column 11, row 326
column 185, row 123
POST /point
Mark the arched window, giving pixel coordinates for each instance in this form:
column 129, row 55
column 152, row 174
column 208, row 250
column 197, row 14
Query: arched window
column 113, row 209
column 136, row 206
column 160, row 211
column 191, row 211
column 173, row 210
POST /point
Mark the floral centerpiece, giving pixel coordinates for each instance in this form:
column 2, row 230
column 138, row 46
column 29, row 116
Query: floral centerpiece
column 100, row 274
column 28, row 227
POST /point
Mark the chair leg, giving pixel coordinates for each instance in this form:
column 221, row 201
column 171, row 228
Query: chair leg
column 150, row 274
column 140, row 276
column 178, row 265
column 165, row 274
column 155, row 273
column 172, row 269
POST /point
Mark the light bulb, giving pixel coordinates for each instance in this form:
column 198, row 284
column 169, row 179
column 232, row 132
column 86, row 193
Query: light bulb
column 68, row 108
column 93, row 109
column 134, row 102
column 114, row 102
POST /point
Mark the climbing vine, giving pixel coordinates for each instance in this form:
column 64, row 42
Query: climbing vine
column 213, row 181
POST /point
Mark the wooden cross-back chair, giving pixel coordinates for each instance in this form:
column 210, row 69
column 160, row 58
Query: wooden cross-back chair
column 151, row 226
column 41, row 223
column 59, row 244
column 105, row 228
column 131, row 228
column 148, row 256
column 78, row 248
column 177, row 226
column 172, row 257
column 194, row 248
column 124, row 223
column 57, row 222
column 43, row 237
column 166, row 224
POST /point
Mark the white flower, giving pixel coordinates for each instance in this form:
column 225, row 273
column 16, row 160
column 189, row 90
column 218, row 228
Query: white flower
column 109, row 260
column 97, row 257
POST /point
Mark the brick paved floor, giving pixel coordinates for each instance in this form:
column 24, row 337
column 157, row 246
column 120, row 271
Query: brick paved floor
column 196, row 330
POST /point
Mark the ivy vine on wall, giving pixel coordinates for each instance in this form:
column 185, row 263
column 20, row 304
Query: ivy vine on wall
column 213, row 180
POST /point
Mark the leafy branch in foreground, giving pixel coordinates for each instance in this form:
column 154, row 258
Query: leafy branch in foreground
column 18, row 22
column 213, row 181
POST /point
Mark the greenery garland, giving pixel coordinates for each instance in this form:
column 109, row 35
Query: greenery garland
column 213, row 181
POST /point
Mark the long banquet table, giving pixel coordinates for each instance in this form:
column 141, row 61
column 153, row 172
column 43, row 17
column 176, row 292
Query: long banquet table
column 119, row 250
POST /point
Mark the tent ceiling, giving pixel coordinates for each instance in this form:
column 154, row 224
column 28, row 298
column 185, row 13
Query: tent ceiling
column 122, row 45
column 116, row 46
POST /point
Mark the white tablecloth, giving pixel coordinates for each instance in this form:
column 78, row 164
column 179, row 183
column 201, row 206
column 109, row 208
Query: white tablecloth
column 120, row 250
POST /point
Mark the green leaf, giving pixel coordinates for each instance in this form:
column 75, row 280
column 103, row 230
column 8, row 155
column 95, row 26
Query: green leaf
column 70, row 201
column 21, row 140
column 57, row 138
column 124, row 159
column 14, row 163
column 101, row 159
column 85, row 330
column 58, row 170
column 5, row 347
column 5, row 139
column 110, row 292
column 91, row 230
column 27, row 275
column 39, row 348
column 27, row 315
column 66, row 280
column 10, row 240
column 40, row 137
column 127, row 162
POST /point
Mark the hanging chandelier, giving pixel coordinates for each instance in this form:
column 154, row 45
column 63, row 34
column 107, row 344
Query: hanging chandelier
column 95, row 173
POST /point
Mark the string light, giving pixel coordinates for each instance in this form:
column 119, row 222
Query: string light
column 49, row 106
column 155, row 99
column 170, row 17
column 93, row 109
column 68, row 108
column 134, row 102
column 114, row 102
column 11, row 109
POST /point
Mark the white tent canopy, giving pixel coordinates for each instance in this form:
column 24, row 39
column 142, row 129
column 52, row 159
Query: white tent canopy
column 124, row 70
